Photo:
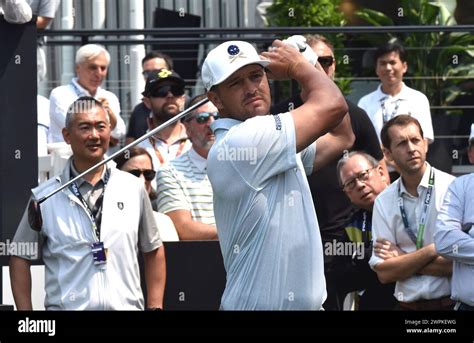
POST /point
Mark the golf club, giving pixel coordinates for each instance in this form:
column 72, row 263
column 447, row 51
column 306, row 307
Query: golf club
column 34, row 211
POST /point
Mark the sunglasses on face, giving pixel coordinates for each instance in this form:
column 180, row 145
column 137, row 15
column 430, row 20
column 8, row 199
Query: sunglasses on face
column 148, row 73
column 203, row 117
column 162, row 92
column 326, row 61
column 148, row 174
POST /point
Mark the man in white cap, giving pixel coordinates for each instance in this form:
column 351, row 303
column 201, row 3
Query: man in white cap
column 470, row 148
column 267, row 225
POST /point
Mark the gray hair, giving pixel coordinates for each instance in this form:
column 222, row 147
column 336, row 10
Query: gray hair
column 372, row 161
column 83, row 104
column 89, row 51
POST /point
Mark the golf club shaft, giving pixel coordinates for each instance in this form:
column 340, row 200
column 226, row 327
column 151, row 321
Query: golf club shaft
column 135, row 142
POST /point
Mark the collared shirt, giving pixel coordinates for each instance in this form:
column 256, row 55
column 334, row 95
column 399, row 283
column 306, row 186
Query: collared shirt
column 454, row 236
column 266, row 222
column 147, row 225
column 407, row 101
column 72, row 280
column 89, row 192
column 63, row 96
column 183, row 184
column 162, row 152
column 387, row 223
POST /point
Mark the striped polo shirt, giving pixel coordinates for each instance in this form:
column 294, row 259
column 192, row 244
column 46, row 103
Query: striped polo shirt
column 183, row 184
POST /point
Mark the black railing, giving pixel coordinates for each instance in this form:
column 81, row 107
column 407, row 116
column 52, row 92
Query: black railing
column 222, row 34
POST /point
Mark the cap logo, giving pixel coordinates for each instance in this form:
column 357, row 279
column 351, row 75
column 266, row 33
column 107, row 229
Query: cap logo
column 164, row 73
column 234, row 52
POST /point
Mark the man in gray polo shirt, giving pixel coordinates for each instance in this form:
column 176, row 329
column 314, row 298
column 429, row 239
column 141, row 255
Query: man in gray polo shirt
column 267, row 225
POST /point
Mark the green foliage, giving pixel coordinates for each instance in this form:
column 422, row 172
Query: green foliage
column 311, row 13
column 438, row 62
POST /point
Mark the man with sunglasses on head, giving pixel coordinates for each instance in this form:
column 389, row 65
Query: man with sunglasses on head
column 332, row 206
column 184, row 190
column 138, row 123
column 362, row 179
column 164, row 95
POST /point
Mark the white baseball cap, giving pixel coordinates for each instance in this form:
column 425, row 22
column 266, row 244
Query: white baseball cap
column 224, row 60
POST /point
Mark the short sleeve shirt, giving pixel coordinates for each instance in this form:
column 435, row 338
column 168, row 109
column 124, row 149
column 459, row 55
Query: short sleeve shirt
column 267, row 225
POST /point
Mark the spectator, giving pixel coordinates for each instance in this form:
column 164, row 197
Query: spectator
column 404, row 221
column 362, row 179
column 16, row 11
column 164, row 95
column 454, row 238
column 44, row 11
column 137, row 161
column 92, row 62
column 138, row 124
column 184, row 190
column 91, row 231
column 392, row 96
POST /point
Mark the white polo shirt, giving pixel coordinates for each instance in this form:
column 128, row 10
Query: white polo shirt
column 266, row 221
column 387, row 223
column 408, row 101
column 63, row 96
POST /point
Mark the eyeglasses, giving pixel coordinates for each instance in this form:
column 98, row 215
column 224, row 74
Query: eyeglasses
column 362, row 176
column 162, row 92
column 203, row 117
column 149, row 174
column 326, row 61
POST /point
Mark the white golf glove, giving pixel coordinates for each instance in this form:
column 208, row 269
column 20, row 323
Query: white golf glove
column 299, row 42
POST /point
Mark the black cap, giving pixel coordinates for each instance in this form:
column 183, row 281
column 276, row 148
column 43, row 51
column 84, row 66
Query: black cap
column 157, row 76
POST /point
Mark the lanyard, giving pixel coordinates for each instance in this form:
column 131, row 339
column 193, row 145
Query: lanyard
column 418, row 239
column 365, row 234
column 385, row 115
column 95, row 214
column 158, row 153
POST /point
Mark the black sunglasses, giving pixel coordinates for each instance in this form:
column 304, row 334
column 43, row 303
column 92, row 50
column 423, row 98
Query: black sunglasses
column 326, row 61
column 203, row 117
column 162, row 92
column 148, row 73
column 149, row 174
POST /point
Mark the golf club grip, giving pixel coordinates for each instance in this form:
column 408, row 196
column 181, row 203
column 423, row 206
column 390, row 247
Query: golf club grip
column 135, row 142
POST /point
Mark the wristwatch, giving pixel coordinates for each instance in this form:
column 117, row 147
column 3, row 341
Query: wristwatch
column 153, row 309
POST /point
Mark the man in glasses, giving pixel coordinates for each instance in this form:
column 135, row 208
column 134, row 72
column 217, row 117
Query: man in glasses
column 184, row 190
column 362, row 179
column 164, row 95
column 138, row 123
column 404, row 221
column 92, row 231
column 332, row 206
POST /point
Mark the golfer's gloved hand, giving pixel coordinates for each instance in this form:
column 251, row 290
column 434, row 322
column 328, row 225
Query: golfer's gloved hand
column 299, row 42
